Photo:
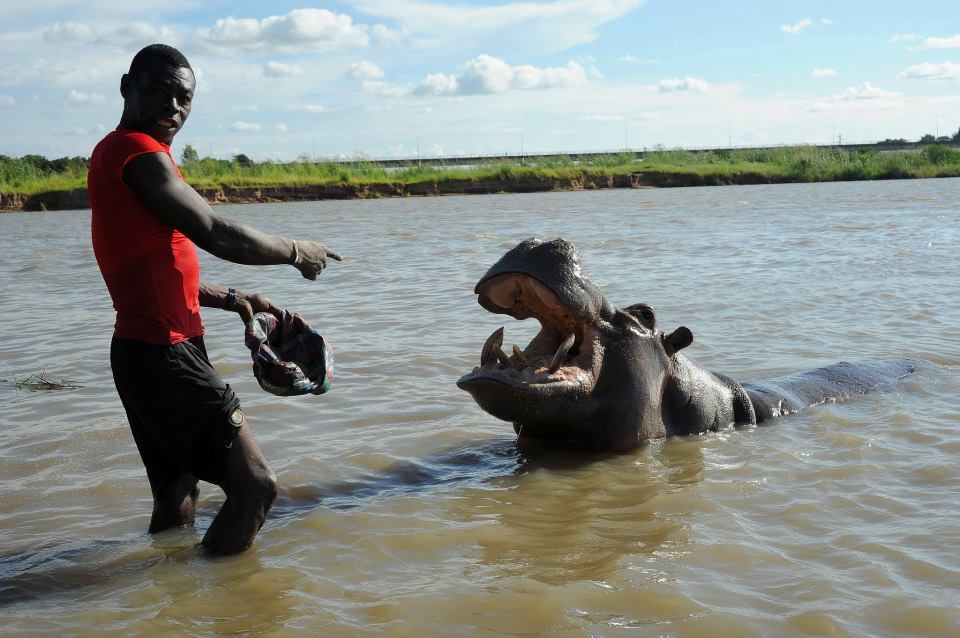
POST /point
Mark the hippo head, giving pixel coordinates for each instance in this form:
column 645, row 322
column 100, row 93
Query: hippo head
column 593, row 374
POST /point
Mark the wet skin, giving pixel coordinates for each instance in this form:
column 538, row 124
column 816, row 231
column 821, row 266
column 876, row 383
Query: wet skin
column 609, row 378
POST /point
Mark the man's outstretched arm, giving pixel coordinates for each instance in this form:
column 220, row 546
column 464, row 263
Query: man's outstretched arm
column 153, row 177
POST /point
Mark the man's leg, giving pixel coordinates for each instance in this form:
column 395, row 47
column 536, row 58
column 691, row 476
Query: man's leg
column 251, row 489
column 174, row 503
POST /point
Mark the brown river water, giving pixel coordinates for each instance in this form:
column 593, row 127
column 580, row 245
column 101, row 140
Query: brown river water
column 406, row 511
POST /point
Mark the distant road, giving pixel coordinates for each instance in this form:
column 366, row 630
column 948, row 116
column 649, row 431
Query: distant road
column 469, row 160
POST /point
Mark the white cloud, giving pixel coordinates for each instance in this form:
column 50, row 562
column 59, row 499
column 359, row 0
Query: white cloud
column 69, row 33
column 953, row 42
column 315, row 29
column 438, row 84
column 84, row 131
column 864, row 96
column 136, row 35
column 796, row 28
column 681, row 84
column 364, row 71
column 245, row 127
column 280, row 70
column 930, row 71
column 385, row 89
column 280, row 127
column 865, row 91
column 824, row 73
column 308, row 108
column 635, row 60
column 544, row 25
column 386, row 36
column 78, row 98
column 603, row 118
column 486, row 74
column 133, row 34
column 7, row 101
column 826, row 21
column 904, row 37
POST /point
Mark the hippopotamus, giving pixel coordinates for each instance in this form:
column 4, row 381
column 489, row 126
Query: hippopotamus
column 609, row 378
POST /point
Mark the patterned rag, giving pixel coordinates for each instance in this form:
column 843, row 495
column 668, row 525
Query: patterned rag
column 289, row 358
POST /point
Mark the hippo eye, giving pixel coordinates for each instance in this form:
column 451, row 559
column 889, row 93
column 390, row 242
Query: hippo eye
column 644, row 314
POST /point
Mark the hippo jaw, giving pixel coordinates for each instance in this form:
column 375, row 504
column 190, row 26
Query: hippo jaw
column 553, row 377
column 593, row 374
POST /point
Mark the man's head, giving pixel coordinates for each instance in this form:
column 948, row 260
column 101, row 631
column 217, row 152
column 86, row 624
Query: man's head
column 157, row 92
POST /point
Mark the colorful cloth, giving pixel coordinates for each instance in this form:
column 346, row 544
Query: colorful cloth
column 289, row 358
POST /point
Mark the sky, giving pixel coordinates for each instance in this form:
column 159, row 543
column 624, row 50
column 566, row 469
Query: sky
column 429, row 78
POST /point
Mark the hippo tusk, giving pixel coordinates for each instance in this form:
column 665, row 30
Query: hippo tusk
column 521, row 359
column 562, row 352
column 493, row 343
column 501, row 355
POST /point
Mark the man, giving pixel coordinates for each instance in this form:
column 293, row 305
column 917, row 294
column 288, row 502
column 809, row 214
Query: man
column 185, row 420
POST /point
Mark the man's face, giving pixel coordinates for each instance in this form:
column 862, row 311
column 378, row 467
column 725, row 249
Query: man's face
column 157, row 99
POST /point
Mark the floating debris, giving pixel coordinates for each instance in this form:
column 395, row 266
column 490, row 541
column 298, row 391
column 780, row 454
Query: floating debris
column 41, row 382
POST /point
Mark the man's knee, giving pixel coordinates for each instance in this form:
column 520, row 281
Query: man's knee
column 259, row 487
column 268, row 488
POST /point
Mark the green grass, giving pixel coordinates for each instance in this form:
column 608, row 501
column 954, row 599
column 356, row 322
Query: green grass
column 32, row 174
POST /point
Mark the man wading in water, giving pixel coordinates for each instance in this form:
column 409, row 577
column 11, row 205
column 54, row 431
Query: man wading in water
column 186, row 421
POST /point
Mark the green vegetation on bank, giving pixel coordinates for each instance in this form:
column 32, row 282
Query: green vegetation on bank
column 33, row 174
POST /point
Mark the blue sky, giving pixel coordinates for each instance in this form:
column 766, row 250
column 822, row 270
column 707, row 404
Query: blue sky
column 394, row 78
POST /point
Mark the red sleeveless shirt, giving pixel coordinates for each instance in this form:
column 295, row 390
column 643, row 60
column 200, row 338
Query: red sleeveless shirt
column 150, row 268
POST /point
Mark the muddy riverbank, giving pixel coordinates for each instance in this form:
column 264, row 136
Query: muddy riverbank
column 77, row 198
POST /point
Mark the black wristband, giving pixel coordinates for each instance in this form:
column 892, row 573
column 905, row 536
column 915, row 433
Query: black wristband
column 231, row 298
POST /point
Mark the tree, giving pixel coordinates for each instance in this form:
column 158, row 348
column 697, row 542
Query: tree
column 242, row 160
column 956, row 136
column 928, row 139
column 189, row 155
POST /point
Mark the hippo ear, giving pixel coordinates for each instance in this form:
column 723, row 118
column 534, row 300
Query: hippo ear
column 677, row 340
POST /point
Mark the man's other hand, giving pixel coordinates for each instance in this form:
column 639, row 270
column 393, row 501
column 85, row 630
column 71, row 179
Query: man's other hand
column 249, row 304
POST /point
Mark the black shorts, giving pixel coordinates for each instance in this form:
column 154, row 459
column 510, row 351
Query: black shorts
column 178, row 407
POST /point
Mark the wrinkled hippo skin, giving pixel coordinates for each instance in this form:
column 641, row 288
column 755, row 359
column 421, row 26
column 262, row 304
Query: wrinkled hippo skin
column 609, row 378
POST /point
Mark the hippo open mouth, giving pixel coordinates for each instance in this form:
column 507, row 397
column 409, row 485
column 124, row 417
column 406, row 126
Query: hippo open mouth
column 564, row 357
column 547, row 380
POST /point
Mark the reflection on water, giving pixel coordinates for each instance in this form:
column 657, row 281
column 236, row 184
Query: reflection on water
column 405, row 510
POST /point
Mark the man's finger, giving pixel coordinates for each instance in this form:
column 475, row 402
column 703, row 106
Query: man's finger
column 334, row 255
column 245, row 310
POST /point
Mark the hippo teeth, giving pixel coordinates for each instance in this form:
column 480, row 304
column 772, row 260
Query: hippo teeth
column 491, row 347
column 502, row 357
column 561, row 354
column 521, row 360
